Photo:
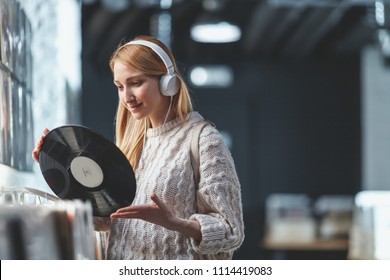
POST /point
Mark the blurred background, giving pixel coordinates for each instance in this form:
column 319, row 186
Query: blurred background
column 299, row 89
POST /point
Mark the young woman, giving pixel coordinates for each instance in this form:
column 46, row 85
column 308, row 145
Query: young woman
column 171, row 217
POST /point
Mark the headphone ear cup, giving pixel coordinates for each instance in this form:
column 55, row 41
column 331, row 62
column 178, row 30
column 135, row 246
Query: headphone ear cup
column 168, row 85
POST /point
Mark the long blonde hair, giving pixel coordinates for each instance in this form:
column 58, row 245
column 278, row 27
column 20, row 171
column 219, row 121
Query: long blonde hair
column 129, row 132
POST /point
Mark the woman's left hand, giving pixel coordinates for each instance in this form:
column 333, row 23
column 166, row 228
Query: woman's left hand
column 157, row 212
column 160, row 214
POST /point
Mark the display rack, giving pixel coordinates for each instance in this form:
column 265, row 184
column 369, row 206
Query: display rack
column 16, row 122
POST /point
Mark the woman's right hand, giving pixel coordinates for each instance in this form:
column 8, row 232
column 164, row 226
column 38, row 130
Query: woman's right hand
column 38, row 145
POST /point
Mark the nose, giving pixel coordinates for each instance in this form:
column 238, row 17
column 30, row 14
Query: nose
column 128, row 97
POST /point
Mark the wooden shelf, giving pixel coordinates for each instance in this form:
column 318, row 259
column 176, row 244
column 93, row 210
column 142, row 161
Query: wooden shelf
column 319, row 244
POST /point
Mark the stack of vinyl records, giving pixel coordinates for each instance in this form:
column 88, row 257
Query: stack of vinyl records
column 35, row 225
column 28, row 232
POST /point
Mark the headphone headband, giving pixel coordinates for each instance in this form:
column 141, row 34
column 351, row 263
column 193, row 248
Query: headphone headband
column 168, row 81
column 158, row 50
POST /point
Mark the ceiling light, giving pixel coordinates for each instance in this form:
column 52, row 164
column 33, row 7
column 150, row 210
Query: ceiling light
column 220, row 32
column 213, row 26
column 212, row 76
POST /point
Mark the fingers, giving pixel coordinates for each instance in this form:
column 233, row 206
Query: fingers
column 37, row 148
column 128, row 212
column 38, row 145
column 159, row 202
column 155, row 212
column 141, row 211
column 143, row 207
column 122, row 215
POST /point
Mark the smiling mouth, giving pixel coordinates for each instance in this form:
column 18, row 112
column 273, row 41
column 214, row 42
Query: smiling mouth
column 134, row 106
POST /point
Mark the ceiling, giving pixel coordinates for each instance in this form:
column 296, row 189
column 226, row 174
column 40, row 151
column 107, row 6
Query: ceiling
column 271, row 29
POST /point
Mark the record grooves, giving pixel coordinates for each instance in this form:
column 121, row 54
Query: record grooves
column 78, row 163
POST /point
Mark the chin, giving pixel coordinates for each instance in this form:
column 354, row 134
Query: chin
column 138, row 116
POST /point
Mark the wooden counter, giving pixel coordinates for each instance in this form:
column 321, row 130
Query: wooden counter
column 319, row 244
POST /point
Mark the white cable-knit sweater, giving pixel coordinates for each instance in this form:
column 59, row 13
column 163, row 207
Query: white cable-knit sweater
column 165, row 169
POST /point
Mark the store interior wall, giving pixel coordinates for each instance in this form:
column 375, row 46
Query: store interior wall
column 53, row 97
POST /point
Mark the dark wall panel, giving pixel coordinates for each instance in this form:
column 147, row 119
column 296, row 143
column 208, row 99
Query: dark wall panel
column 300, row 129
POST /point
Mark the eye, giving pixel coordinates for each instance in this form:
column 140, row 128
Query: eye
column 136, row 83
column 120, row 87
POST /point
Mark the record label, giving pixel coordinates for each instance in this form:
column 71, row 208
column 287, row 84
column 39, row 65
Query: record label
column 79, row 163
column 86, row 172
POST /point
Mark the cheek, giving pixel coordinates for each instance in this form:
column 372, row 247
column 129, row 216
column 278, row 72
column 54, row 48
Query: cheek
column 120, row 95
column 141, row 94
column 151, row 95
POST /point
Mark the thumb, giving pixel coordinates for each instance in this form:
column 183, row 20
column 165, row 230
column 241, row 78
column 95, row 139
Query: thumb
column 158, row 202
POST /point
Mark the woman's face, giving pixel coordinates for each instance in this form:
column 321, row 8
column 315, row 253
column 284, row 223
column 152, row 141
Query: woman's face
column 140, row 94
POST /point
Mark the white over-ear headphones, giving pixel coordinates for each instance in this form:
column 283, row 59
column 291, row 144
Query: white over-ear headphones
column 168, row 82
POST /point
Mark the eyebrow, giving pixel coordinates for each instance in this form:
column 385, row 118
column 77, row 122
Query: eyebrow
column 131, row 78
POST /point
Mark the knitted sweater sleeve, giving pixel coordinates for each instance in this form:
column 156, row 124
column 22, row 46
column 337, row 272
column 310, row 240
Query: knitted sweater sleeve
column 218, row 197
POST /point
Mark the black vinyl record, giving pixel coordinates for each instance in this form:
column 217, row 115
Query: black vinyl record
column 78, row 163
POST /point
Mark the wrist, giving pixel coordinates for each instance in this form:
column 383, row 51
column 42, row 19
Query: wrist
column 188, row 228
